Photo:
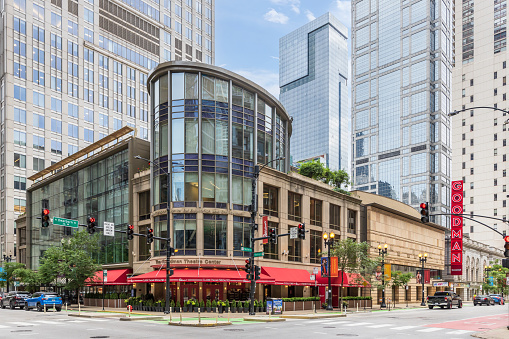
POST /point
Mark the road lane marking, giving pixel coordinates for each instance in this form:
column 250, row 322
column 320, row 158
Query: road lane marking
column 319, row 321
column 320, row 333
column 20, row 323
column 2, row 326
column 379, row 326
column 431, row 329
column 402, row 328
column 48, row 322
column 358, row 324
column 459, row 332
column 77, row 321
column 92, row 319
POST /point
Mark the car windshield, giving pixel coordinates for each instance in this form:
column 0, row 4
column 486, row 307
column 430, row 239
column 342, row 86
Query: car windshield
column 51, row 296
column 438, row 294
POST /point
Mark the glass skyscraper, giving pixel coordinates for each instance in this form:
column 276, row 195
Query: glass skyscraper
column 313, row 74
column 401, row 66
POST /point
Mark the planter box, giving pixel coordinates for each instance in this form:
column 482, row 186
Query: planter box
column 352, row 304
column 300, row 305
column 111, row 303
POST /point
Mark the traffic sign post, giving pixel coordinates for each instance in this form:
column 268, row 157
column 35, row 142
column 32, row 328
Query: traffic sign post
column 258, row 254
column 109, row 229
column 246, row 249
column 65, row 222
column 294, row 233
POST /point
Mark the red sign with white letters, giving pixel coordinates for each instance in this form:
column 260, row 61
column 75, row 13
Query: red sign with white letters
column 456, row 228
column 265, row 229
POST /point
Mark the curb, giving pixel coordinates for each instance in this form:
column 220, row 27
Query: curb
column 200, row 325
column 264, row 320
column 153, row 317
column 318, row 316
column 95, row 315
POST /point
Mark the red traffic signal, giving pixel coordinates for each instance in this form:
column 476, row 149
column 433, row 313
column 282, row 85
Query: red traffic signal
column 92, row 219
column 91, row 225
column 506, row 238
column 45, row 218
column 130, row 232
column 45, row 211
column 424, row 212
column 506, row 246
column 424, row 205
column 150, row 235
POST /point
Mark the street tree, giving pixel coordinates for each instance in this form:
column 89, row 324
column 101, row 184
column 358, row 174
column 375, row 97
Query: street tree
column 71, row 263
column 7, row 275
column 352, row 256
column 31, row 280
column 399, row 279
column 496, row 280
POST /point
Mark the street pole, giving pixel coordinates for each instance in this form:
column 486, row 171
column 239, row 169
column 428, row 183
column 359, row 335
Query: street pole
column 329, row 243
column 8, row 259
column 383, row 252
column 423, row 259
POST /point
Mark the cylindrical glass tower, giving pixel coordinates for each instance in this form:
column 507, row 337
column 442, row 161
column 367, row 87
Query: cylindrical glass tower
column 210, row 127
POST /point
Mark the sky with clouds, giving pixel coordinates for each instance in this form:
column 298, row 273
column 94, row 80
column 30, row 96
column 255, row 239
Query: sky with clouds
column 248, row 32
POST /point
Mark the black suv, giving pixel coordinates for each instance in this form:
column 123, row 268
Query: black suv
column 14, row 299
column 483, row 300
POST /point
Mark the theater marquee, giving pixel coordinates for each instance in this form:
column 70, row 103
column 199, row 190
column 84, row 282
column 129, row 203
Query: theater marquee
column 457, row 228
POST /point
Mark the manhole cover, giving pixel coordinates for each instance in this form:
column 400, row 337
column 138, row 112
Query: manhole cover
column 235, row 330
column 347, row 335
column 18, row 331
column 328, row 327
column 100, row 336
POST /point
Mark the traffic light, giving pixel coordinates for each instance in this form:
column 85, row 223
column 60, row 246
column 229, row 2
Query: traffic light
column 302, row 231
column 130, row 232
column 255, row 227
column 173, row 251
column 506, row 246
column 91, row 224
column 150, row 235
column 257, row 272
column 424, row 212
column 45, row 218
column 273, row 235
column 170, row 272
column 505, row 263
column 249, row 269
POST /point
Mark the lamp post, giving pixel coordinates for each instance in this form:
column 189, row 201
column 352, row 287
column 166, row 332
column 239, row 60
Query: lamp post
column 254, row 210
column 422, row 259
column 168, row 238
column 329, row 242
column 383, row 252
column 487, row 270
column 7, row 258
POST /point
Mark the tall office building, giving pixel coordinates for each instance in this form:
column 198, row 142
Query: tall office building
column 401, row 65
column 72, row 72
column 313, row 73
column 480, row 135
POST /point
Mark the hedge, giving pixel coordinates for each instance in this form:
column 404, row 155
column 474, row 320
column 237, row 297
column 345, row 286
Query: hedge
column 301, row 299
column 357, row 298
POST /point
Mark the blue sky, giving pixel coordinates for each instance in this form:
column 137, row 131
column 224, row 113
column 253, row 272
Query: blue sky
column 248, row 32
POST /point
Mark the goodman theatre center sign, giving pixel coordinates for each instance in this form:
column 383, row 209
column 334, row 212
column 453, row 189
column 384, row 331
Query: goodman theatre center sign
column 457, row 228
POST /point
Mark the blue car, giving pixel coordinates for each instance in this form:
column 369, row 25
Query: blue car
column 497, row 298
column 41, row 300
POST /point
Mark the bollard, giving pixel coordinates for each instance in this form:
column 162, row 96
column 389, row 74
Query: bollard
column 54, row 308
column 79, row 308
column 199, row 317
column 170, row 316
column 130, row 308
column 357, row 307
column 216, row 317
column 180, row 319
column 228, row 314
column 65, row 307
column 270, row 314
column 44, row 308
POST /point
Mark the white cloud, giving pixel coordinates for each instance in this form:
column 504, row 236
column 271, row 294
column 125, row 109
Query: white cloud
column 294, row 4
column 342, row 10
column 310, row 15
column 274, row 16
column 263, row 78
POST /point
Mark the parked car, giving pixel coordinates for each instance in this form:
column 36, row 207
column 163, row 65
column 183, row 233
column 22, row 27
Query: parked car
column 41, row 300
column 483, row 300
column 14, row 299
column 444, row 299
column 498, row 299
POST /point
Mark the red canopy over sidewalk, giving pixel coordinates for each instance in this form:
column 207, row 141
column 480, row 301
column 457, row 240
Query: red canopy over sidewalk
column 195, row 275
column 114, row 277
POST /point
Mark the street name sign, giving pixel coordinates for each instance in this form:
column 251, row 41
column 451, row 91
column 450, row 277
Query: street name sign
column 258, row 254
column 294, row 233
column 246, row 249
column 65, row 222
column 109, row 229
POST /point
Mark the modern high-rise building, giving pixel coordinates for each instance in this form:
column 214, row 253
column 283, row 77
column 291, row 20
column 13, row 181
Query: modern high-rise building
column 72, row 72
column 401, row 65
column 313, row 74
column 479, row 136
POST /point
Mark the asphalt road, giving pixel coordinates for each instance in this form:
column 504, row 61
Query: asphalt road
column 417, row 323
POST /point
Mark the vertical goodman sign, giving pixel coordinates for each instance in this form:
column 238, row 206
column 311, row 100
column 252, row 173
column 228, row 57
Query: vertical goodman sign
column 457, row 228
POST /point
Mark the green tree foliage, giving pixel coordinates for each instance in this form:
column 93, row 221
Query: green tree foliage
column 31, row 280
column 316, row 170
column 71, row 261
column 497, row 275
column 399, row 279
column 352, row 257
column 7, row 275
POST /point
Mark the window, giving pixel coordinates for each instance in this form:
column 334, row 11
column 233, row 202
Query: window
column 117, row 67
column 103, row 120
column 471, row 98
column 56, row 147
column 495, row 92
column 294, row 206
column 20, row 93
column 471, row 82
column 471, row 142
column 20, row 71
column 56, row 62
column 20, row 48
column 38, row 164
column 20, row 138
column 20, row 115
column 71, row 149
column 334, row 217
column 72, row 48
column 20, row 26
column 72, row 28
column 20, row 183
column 495, row 197
column 38, row 142
column 117, row 124
column 88, row 75
column 270, row 250
column 471, row 171
column 270, row 200
column 56, row 84
column 315, row 213
column 38, row 121
column 295, row 250
column 103, row 61
column 38, row 55
column 72, row 110
column 38, row 33
column 471, row 156
column 73, row 131
column 184, row 233
column 56, row 126
column 38, row 12
column 214, row 234
column 88, row 135
column 495, row 75
column 20, row 160
column 20, row 205
column 495, row 182
column 315, row 248
column 495, row 167
column 241, row 235
column 56, row 41
column 144, row 205
column 352, row 222
column 88, row 35
column 88, row 15
column 504, row 81
column 38, row 77
column 88, row 95
column 72, row 89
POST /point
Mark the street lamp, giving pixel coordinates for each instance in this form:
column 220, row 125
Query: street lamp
column 487, row 270
column 422, row 259
column 328, row 244
column 168, row 239
column 383, row 252
column 8, row 258
column 254, row 210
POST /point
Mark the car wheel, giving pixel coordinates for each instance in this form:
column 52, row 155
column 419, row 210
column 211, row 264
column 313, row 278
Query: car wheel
column 430, row 307
column 460, row 304
column 441, row 307
column 11, row 306
column 3, row 306
column 39, row 307
column 449, row 305
column 475, row 304
column 27, row 308
column 59, row 309
column 21, row 307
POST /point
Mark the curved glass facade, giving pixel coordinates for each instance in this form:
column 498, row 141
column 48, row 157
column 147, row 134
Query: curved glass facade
column 210, row 127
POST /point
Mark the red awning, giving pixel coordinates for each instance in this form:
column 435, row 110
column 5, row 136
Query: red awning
column 349, row 280
column 114, row 277
column 195, row 275
column 288, row 276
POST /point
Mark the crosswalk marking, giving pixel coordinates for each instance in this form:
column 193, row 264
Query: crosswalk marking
column 48, row 322
column 430, row 329
column 20, row 323
column 77, row 321
column 318, row 321
column 459, row 332
column 2, row 326
column 402, row 328
column 358, row 324
column 341, row 322
column 379, row 326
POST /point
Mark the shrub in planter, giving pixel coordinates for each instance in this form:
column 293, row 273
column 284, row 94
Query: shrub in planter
column 226, row 306
column 202, row 306
column 265, row 306
column 246, row 306
column 209, row 306
column 233, row 307
column 177, row 306
column 213, row 306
